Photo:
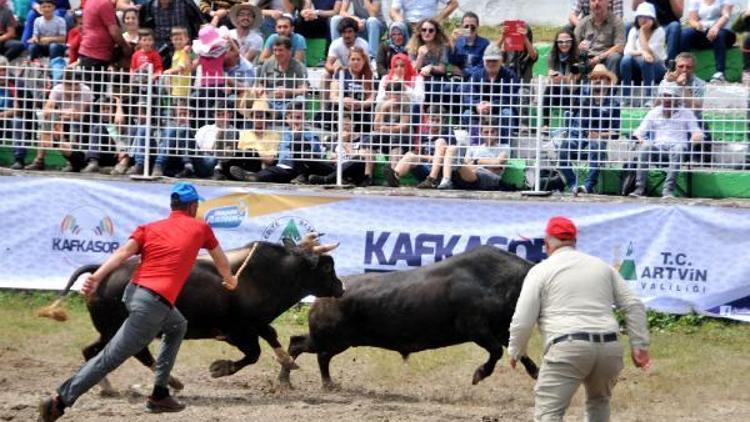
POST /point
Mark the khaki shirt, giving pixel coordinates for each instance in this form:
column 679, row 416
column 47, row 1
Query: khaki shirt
column 573, row 292
column 601, row 38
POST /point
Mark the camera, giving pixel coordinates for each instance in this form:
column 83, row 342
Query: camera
column 671, row 65
column 582, row 66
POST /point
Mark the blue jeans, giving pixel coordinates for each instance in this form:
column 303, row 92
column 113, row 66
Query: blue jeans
column 138, row 145
column 372, row 32
column 577, row 148
column 175, row 141
column 51, row 50
column 634, row 70
column 28, row 26
column 147, row 317
column 674, row 34
column 692, row 39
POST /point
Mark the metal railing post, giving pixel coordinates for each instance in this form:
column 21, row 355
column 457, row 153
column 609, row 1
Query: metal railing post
column 147, row 140
column 539, row 111
column 340, row 141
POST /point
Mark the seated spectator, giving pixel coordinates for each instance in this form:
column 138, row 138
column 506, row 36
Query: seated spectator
column 73, row 39
column 60, row 8
column 176, row 145
column 483, row 165
column 272, row 10
column 315, row 18
column 9, row 113
column 353, row 158
column 490, row 93
column 300, row 152
column 644, row 55
column 163, row 15
column 260, row 143
column 398, row 34
column 357, row 87
column 338, row 54
column 468, row 46
column 285, row 28
column 564, row 72
column 218, row 140
column 48, row 39
column 131, row 29
column 743, row 25
column 414, row 11
column 216, row 12
column 392, row 129
column 63, row 117
column 281, row 78
column 141, row 137
column 429, row 48
column 664, row 134
column 240, row 72
column 601, row 35
column 520, row 62
column 146, row 55
column 433, row 144
column 596, row 121
column 108, row 146
column 401, row 70
column 247, row 18
column 182, row 65
column 707, row 20
column 668, row 14
column 582, row 8
column 10, row 47
column 370, row 23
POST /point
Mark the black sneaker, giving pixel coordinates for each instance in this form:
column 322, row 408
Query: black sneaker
column 185, row 172
column 218, row 175
column 428, row 183
column 49, row 410
column 391, row 179
column 367, row 181
column 167, row 404
column 241, row 174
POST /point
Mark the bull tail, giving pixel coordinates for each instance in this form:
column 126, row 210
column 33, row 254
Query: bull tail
column 56, row 310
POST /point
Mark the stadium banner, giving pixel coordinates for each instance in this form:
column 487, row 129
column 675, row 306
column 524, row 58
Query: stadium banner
column 678, row 258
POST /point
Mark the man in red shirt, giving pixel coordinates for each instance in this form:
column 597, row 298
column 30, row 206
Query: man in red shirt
column 168, row 249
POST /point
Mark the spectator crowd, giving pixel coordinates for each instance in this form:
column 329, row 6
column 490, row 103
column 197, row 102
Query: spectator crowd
column 222, row 89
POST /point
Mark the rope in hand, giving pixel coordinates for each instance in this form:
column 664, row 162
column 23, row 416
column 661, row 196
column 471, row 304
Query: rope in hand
column 247, row 260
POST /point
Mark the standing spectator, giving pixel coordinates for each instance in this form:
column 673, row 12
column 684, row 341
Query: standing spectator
column 146, row 55
column 60, row 8
column 48, row 38
column 168, row 249
column 163, row 15
column 644, row 55
column 141, row 137
column 369, row 17
column 217, row 11
column 602, row 36
column 564, row 72
column 314, row 18
column 414, row 11
column 595, row 121
column 398, row 34
column 468, row 46
column 182, row 64
column 211, row 47
column 570, row 297
column 581, row 9
column 73, row 39
column 668, row 14
column 10, row 47
column 281, row 78
column 131, row 27
column 707, row 20
column 285, row 28
column 429, row 48
column 247, row 18
column 664, row 134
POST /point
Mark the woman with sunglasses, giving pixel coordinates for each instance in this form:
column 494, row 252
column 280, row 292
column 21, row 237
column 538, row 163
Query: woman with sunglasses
column 429, row 48
column 564, row 72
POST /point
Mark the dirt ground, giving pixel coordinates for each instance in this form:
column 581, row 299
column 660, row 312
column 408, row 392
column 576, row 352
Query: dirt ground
column 375, row 385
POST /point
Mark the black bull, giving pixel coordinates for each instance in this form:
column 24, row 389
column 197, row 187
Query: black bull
column 470, row 297
column 276, row 278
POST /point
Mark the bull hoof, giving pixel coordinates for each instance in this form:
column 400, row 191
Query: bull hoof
column 285, row 385
column 176, row 384
column 222, row 368
column 478, row 376
column 331, row 386
column 289, row 365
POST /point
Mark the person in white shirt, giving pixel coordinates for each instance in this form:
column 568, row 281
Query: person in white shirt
column 707, row 20
column 645, row 50
column 413, row 11
column 246, row 19
column 664, row 134
column 570, row 296
column 369, row 17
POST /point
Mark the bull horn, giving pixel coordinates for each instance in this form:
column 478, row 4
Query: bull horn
column 55, row 311
column 309, row 241
column 321, row 249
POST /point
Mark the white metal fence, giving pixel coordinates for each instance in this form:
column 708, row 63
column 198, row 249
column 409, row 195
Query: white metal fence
column 276, row 128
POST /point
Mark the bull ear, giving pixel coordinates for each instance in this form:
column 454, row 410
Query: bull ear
column 289, row 244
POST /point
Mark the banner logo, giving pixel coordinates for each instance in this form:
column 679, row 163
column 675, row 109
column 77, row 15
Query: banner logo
column 628, row 270
column 228, row 217
column 85, row 235
column 289, row 227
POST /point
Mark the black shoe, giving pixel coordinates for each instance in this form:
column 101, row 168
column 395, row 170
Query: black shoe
column 241, row 174
column 17, row 165
column 185, row 172
column 218, row 175
column 35, row 165
column 367, row 181
column 391, row 179
column 315, row 179
column 428, row 183
column 167, row 404
column 49, row 410
column 299, row 180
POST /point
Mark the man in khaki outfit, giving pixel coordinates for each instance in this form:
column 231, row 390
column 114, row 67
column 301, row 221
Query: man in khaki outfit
column 570, row 295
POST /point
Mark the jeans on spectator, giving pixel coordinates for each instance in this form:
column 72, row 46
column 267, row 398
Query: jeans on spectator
column 652, row 155
column 138, row 144
column 204, row 166
column 634, row 70
column 612, row 62
column 50, row 50
column 372, row 32
column 174, row 141
column 577, row 148
column 11, row 49
column 692, row 39
column 101, row 146
column 674, row 33
column 95, row 75
column 19, row 150
column 28, row 26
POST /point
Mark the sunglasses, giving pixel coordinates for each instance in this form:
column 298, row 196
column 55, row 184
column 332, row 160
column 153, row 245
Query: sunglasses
column 428, row 30
column 470, row 27
column 564, row 42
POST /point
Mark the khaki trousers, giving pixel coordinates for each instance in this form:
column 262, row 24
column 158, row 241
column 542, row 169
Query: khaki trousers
column 569, row 364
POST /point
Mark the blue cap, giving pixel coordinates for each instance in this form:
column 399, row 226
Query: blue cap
column 185, row 192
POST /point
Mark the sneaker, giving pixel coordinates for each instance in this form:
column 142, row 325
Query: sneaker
column 428, row 183
column 366, row 181
column 579, row 190
column 299, row 180
column 17, row 165
column 637, row 193
column 187, row 171
column 391, row 178
column 445, row 184
column 718, row 77
column 167, row 404
column 158, row 171
column 668, row 194
column 241, row 174
column 218, row 175
column 316, row 179
column 91, row 167
column 35, row 165
column 49, row 410
column 135, row 170
column 68, row 168
column 120, row 168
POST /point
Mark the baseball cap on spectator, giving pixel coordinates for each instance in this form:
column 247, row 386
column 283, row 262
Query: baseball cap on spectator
column 492, row 52
column 185, row 192
column 561, row 228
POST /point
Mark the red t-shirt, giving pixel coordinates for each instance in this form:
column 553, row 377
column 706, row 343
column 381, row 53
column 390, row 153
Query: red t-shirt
column 74, row 43
column 142, row 58
column 96, row 42
column 168, row 250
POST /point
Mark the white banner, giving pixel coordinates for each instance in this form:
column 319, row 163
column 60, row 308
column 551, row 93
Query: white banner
column 678, row 258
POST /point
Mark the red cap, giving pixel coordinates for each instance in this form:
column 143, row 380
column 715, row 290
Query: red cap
column 561, row 228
